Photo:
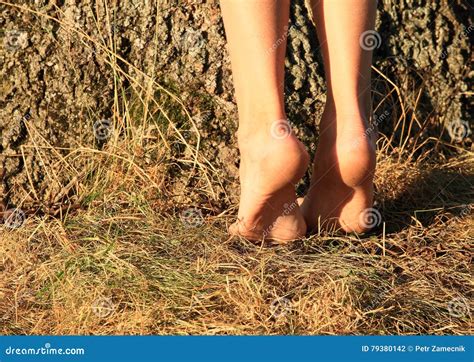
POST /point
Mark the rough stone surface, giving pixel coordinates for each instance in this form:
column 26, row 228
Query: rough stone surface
column 58, row 77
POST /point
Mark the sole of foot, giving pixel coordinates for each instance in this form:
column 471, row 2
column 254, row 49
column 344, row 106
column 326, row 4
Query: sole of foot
column 271, row 165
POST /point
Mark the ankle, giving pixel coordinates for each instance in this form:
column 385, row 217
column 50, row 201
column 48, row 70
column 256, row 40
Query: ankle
column 274, row 151
column 343, row 124
column 349, row 106
column 263, row 131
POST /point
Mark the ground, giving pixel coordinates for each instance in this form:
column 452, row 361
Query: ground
column 128, row 263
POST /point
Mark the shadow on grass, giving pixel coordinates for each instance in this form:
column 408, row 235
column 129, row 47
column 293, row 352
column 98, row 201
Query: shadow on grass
column 438, row 191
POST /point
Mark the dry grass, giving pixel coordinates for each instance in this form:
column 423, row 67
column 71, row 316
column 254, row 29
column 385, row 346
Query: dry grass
column 113, row 255
column 164, row 277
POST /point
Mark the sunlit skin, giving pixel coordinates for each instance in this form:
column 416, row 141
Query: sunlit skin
column 274, row 160
column 342, row 181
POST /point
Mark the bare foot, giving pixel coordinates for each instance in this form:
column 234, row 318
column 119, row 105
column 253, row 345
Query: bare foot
column 341, row 192
column 272, row 162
